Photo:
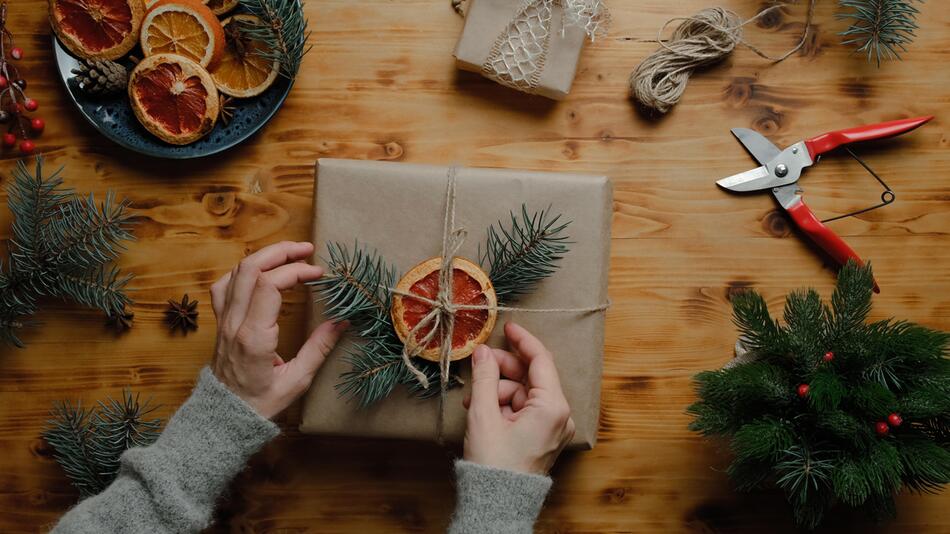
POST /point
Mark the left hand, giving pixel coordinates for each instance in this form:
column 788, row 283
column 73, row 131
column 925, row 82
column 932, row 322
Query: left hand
column 246, row 304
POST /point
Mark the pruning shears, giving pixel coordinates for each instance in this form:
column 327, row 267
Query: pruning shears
column 781, row 169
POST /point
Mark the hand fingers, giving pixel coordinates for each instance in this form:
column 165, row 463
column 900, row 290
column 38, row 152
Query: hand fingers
column 245, row 275
column 485, row 376
column 318, row 346
column 219, row 295
column 542, row 373
column 508, row 391
column 512, row 367
column 264, row 308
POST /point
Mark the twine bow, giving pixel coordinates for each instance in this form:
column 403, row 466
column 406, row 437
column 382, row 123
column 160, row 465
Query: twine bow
column 441, row 318
column 518, row 56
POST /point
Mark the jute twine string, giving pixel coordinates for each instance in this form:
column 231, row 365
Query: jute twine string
column 705, row 38
column 441, row 318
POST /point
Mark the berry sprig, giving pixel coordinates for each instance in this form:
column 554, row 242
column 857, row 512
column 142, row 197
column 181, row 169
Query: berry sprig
column 14, row 102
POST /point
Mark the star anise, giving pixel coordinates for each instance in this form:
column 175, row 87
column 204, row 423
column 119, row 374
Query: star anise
column 226, row 109
column 120, row 322
column 182, row 315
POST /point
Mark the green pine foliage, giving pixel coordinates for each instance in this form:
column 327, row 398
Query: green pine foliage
column 87, row 442
column 880, row 29
column 356, row 288
column 283, row 27
column 62, row 246
column 823, row 449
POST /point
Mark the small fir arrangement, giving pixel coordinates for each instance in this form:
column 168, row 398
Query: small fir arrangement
column 63, row 246
column 87, row 442
column 516, row 255
column 880, row 29
column 829, row 408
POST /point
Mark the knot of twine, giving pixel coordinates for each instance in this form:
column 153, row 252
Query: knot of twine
column 441, row 319
column 705, row 38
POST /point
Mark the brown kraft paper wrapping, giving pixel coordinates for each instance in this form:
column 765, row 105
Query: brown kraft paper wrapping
column 397, row 208
column 485, row 20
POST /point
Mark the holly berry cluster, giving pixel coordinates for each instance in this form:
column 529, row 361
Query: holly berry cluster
column 15, row 105
column 881, row 428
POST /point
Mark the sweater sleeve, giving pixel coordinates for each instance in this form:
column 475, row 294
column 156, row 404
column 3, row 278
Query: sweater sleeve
column 496, row 501
column 172, row 485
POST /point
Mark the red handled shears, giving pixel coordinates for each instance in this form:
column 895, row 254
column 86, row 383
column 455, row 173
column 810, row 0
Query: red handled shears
column 781, row 169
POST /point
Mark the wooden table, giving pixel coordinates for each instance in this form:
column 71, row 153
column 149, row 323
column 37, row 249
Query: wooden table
column 380, row 83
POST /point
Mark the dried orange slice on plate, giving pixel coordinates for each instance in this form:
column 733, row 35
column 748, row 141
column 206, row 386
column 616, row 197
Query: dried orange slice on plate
column 97, row 29
column 174, row 98
column 220, row 7
column 470, row 285
column 242, row 71
column 184, row 27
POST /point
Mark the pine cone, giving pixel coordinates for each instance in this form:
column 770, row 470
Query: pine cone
column 101, row 77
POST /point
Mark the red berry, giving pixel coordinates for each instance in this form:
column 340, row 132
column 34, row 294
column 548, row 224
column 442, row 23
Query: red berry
column 881, row 428
column 15, row 108
column 31, row 105
column 803, row 390
column 16, row 52
column 828, row 356
column 37, row 124
column 9, row 140
column 895, row 420
column 3, row 82
column 27, row 147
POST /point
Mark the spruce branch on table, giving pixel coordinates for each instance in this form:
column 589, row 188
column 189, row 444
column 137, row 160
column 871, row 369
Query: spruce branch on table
column 880, row 29
column 831, row 409
column 62, row 246
column 87, row 442
column 283, row 27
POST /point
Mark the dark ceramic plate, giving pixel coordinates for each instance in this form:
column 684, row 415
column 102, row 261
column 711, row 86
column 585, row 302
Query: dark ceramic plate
column 113, row 116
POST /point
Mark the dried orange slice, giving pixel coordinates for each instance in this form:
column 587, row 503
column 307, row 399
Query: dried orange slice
column 220, row 7
column 97, row 29
column 174, row 98
column 184, row 27
column 242, row 72
column 470, row 285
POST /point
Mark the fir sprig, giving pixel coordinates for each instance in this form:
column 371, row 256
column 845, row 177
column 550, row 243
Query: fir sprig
column 357, row 286
column 356, row 289
column 87, row 443
column 61, row 246
column 283, row 27
column 880, row 29
column 524, row 253
column 823, row 446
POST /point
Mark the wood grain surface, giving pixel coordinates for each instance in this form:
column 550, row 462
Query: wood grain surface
column 380, row 83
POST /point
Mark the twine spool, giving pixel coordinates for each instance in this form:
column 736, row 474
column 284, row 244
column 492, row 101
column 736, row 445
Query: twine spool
column 705, row 38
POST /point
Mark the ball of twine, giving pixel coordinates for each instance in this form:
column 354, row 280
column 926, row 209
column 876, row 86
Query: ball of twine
column 705, row 38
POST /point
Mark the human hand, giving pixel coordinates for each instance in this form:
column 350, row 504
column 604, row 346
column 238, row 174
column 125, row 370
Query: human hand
column 520, row 422
column 246, row 303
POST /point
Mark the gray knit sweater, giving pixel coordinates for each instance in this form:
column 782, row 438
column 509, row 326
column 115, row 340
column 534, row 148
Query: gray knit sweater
column 173, row 485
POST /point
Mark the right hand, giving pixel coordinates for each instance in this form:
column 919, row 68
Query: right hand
column 518, row 418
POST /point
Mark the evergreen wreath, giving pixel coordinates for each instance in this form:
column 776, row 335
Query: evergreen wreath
column 87, row 443
column 880, row 29
column 828, row 408
column 63, row 246
column 519, row 255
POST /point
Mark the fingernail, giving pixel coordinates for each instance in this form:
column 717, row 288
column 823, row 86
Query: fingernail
column 480, row 354
column 342, row 325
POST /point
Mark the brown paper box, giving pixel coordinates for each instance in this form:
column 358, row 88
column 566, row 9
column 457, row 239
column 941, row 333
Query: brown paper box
column 397, row 208
column 487, row 19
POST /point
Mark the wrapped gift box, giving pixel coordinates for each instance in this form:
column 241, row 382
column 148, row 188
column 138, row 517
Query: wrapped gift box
column 397, row 209
column 491, row 26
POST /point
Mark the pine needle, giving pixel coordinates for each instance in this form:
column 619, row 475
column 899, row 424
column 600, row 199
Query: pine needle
column 62, row 246
column 880, row 29
column 283, row 27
